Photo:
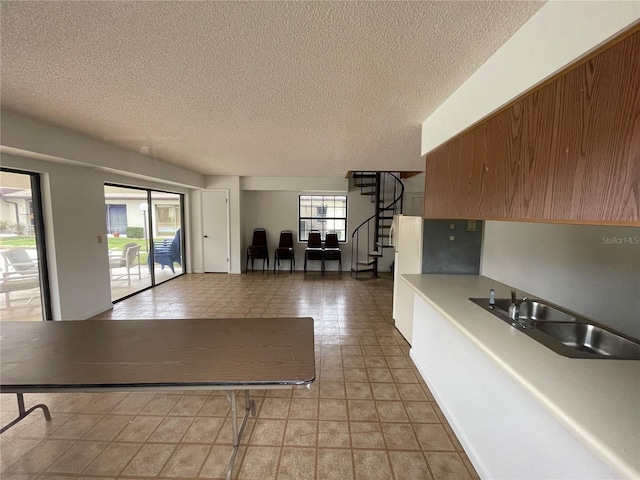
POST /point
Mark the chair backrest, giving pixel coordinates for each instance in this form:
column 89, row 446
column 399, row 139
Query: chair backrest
column 259, row 238
column 286, row 239
column 132, row 253
column 314, row 241
column 125, row 248
column 331, row 241
column 19, row 259
column 176, row 245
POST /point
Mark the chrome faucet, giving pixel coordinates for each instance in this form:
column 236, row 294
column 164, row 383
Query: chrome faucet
column 514, row 307
column 514, row 312
column 492, row 299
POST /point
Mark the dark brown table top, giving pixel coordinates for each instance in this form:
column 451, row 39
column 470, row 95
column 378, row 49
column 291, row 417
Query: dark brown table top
column 232, row 353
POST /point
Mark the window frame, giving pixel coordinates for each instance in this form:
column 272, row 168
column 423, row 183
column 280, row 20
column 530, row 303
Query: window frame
column 37, row 219
column 323, row 233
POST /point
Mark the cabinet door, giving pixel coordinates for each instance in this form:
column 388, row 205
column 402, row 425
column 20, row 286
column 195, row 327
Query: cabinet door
column 567, row 152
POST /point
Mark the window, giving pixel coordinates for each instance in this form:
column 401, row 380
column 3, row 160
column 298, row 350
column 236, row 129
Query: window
column 327, row 213
column 167, row 219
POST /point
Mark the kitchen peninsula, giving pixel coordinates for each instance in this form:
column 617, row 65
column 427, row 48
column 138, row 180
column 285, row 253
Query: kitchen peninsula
column 519, row 409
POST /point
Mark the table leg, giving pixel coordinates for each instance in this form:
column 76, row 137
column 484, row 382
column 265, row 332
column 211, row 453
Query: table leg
column 250, row 407
column 22, row 413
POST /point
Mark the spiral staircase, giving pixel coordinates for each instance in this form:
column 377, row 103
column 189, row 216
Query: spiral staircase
column 371, row 238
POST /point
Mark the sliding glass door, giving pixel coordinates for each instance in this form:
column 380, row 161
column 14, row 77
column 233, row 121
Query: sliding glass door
column 144, row 229
column 166, row 222
column 24, row 293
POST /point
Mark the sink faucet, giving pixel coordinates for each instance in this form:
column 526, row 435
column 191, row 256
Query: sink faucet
column 514, row 312
column 492, row 299
column 514, row 307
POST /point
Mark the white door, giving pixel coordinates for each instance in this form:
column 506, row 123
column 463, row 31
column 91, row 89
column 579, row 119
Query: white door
column 215, row 228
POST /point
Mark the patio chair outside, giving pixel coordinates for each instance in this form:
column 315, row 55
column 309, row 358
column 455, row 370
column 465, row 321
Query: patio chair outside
column 168, row 253
column 130, row 258
column 18, row 260
column 20, row 273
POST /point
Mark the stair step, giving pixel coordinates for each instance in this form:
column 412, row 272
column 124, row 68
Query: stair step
column 382, row 243
column 375, row 253
column 368, row 184
column 356, row 269
column 367, row 193
column 364, row 175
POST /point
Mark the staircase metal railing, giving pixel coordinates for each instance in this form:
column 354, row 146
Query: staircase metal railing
column 371, row 237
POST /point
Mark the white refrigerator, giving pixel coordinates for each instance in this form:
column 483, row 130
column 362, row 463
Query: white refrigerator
column 406, row 238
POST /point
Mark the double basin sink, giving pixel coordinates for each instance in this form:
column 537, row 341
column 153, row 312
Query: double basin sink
column 561, row 330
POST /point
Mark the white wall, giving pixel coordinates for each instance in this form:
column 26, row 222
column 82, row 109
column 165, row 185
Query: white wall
column 29, row 138
column 300, row 184
column 593, row 270
column 413, row 202
column 560, row 32
column 278, row 210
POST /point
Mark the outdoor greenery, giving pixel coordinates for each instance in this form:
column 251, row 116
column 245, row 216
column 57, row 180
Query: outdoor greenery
column 118, row 243
column 24, row 241
column 17, row 228
column 135, row 232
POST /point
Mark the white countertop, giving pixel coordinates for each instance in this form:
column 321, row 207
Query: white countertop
column 597, row 400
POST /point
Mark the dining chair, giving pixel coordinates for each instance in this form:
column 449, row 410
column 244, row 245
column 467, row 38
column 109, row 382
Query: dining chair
column 258, row 249
column 314, row 249
column 285, row 251
column 332, row 250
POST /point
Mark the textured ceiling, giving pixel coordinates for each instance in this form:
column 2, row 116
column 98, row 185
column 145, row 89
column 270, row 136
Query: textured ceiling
column 250, row 88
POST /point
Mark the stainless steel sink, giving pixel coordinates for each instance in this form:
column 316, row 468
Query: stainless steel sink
column 530, row 310
column 536, row 311
column 590, row 338
column 563, row 331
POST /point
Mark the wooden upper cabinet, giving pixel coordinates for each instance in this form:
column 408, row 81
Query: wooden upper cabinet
column 567, row 152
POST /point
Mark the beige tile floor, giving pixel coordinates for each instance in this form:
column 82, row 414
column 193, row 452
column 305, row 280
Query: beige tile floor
column 120, row 286
column 368, row 416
